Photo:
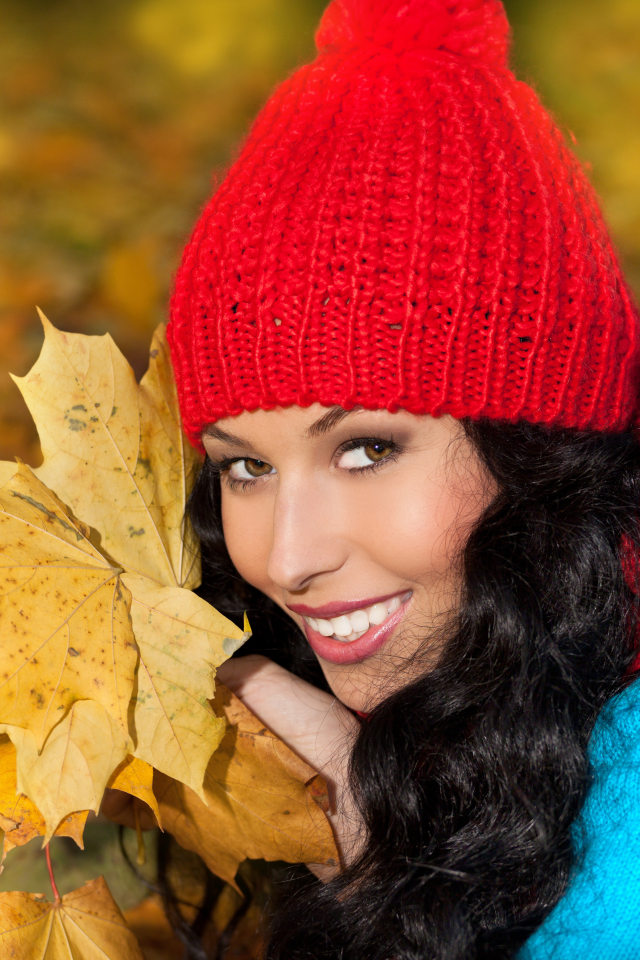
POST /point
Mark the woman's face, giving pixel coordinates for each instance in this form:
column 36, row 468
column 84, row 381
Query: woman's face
column 351, row 522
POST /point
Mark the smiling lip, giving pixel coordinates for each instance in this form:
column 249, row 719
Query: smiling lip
column 339, row 607
column 336, row 651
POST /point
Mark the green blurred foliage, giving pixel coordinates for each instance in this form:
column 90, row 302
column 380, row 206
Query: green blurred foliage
column 583, row 57
column 26, row 867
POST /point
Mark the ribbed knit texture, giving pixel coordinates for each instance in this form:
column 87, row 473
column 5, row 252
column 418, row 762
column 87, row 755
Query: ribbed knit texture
column 405, row 228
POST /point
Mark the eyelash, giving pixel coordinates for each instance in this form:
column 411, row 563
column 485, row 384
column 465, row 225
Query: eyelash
column 357, row 442
column 221, row 467
column 235, row 483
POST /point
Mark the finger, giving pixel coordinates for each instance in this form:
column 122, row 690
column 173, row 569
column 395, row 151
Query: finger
column 310, row 721
column 323, row 871
column 237, row 671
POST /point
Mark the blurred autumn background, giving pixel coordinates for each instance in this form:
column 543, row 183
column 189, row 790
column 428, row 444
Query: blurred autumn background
column 113, row 117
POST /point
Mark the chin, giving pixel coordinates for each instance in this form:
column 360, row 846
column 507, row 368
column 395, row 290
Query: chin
column 344, row 686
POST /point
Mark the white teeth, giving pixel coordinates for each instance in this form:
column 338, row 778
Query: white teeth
column 342, row 626
column 378, row 613
column 352, row 626
column 359, row 621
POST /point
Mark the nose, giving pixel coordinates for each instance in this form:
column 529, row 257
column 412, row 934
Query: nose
column 308, row 537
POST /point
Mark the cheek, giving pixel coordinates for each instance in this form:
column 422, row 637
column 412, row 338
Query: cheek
column 247, row 533
column 414, row 529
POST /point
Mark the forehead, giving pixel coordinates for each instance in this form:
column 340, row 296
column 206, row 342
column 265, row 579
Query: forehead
column 315, row 420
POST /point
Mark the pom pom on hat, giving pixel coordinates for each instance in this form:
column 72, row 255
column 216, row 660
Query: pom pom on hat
column 477, row 29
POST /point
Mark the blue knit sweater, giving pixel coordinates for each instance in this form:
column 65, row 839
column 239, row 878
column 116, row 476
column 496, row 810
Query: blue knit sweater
column 599, row 916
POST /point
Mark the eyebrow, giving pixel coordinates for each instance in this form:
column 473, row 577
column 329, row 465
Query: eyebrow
column 218, row 434
column 328, row 421
column 318, row 428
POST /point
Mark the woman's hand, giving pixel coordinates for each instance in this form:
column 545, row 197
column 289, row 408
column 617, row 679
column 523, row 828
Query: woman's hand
column 313, row 724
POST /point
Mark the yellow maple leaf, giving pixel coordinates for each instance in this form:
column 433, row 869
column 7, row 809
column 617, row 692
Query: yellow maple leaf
column 116, row 683
column 68, row 656
column 136, row 777
column 66, row 628
column 19, row 817
column 114, row 450
column 115, row 456
column 261, row 801
column 72, row 771
column 22, row 821
column 176, row 729
column 83, row 925
column 74, row 651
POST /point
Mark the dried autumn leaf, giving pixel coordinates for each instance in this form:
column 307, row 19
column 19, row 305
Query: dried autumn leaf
column 115, row 453
column 258, row 801
column 114, row 450
column 135, row 777
column 84, row 925
column 66, row 631
column 176, row 730
column 148, row 921
column 72, row 771
column 261, row 794
column 7, row 470
column 22, row 821
column 19, row 817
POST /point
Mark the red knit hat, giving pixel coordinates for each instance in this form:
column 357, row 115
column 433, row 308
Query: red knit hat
column 405, row 228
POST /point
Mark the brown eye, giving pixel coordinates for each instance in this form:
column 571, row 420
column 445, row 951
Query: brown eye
column 378, row 451
column 257, row 468
column 248, row 470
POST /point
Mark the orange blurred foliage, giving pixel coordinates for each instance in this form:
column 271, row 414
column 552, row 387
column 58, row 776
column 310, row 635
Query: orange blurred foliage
column 114, row 115
column 112, row 118
column 158, row 941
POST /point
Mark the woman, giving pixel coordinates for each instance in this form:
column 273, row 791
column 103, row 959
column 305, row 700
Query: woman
column 402, row 337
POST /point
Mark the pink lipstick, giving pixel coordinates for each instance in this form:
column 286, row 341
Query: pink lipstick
column 340, row 652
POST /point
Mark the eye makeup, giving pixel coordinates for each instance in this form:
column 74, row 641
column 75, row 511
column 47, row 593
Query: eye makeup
column 355, row 451
column 378, row 450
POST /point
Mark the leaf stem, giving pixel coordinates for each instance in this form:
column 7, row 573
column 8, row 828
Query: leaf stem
column 51, row 876
column 141, row 857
